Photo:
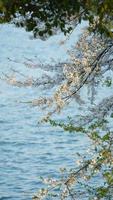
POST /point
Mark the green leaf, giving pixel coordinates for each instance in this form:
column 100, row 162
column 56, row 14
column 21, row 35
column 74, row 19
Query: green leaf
column 106, row 137
column 111, row 115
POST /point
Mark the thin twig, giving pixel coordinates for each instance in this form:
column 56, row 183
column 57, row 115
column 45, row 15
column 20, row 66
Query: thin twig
column 94, row 64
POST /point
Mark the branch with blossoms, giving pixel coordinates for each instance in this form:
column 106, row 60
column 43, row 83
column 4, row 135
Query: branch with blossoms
column 100, row 164
column 89, row 61
column 93, row 68
column 18, row 79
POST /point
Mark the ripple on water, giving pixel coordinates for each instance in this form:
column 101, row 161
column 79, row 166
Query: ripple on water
column 27, row 151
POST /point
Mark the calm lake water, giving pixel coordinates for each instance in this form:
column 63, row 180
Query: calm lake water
column 29, row 150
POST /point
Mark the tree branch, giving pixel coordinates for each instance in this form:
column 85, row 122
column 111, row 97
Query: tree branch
column 94, row 64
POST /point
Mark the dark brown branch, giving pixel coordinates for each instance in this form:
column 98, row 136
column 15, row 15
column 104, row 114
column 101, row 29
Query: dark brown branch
column 94, row 64
column 79, row 170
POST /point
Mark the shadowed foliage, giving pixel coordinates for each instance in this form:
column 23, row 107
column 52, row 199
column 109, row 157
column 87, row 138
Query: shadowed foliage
column 45, row 16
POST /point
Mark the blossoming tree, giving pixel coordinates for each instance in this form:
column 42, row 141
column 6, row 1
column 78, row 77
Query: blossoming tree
column 90, row 61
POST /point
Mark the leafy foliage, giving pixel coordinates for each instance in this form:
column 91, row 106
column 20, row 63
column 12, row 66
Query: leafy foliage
column 45, row 16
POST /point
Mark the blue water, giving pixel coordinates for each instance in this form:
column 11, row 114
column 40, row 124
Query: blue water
column 28, row 150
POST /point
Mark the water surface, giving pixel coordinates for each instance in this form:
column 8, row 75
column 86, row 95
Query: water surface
column 29, row 150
